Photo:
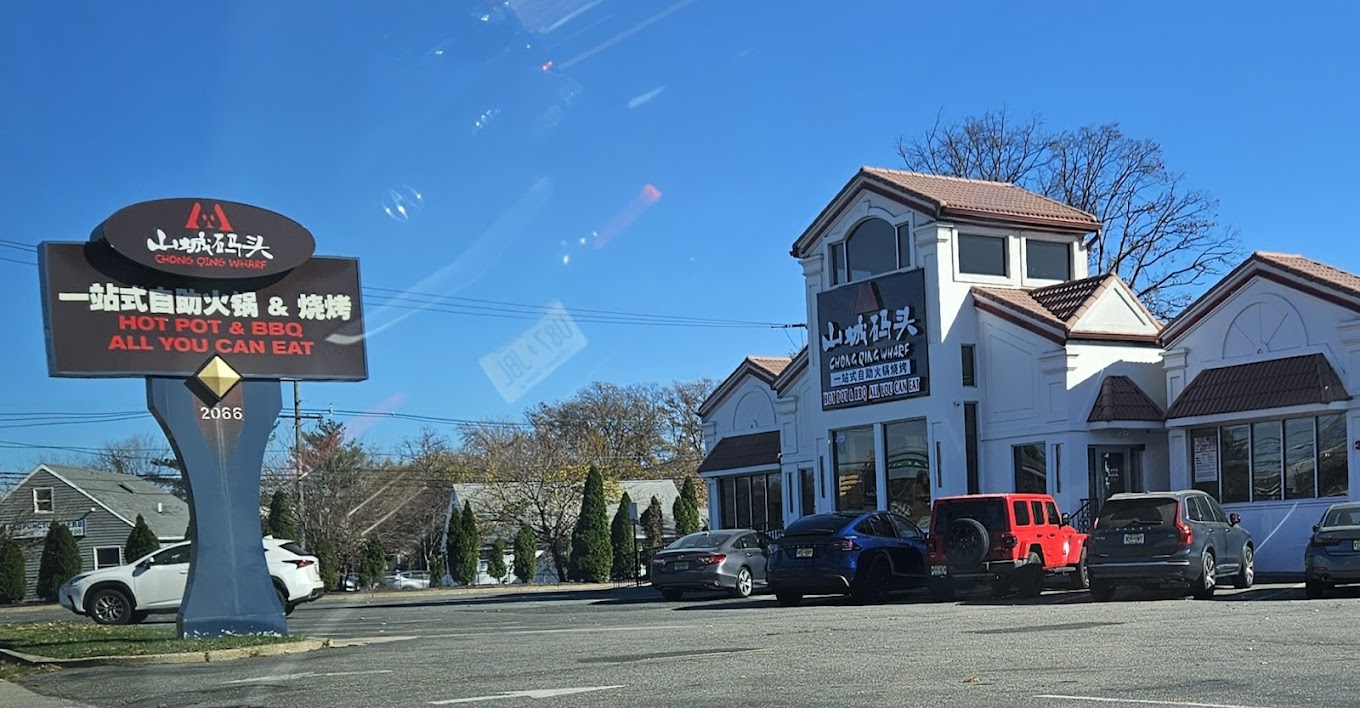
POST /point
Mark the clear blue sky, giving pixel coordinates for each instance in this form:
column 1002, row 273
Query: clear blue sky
column 747, row 117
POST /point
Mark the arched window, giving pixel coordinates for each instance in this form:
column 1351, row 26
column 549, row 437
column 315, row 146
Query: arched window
column 870, row 249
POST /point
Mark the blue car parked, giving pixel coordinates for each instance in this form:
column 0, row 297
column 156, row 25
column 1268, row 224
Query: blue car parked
column 864, row 554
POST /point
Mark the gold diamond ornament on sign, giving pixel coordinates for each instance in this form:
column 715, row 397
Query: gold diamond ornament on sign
column 217, row 376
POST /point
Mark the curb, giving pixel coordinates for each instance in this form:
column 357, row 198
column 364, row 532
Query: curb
column 194, row 657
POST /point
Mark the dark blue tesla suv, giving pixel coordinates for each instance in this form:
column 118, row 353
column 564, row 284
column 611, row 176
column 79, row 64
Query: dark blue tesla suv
column 864, row 554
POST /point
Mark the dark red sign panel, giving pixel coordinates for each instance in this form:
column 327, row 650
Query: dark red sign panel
column 106, row 317
column 207, row 238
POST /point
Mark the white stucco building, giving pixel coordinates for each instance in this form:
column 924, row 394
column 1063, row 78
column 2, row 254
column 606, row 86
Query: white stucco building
column 959, row 345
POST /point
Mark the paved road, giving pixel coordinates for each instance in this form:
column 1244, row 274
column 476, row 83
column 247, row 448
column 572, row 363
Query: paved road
column 1265, row 647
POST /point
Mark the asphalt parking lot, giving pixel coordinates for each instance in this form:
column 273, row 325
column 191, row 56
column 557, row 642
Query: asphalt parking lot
column 1263, row 647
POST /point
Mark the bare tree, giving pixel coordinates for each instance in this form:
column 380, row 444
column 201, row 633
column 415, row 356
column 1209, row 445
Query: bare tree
column 143, row 456
column 1158, row 235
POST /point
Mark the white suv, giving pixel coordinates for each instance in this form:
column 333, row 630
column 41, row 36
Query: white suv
column 155, row 583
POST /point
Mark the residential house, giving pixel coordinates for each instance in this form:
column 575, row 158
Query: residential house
column 99, row 507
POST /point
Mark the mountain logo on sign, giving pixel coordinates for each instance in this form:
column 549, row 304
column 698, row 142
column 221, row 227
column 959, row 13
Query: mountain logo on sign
column 215, row 220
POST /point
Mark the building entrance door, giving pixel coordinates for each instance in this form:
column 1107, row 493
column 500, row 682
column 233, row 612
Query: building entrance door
column 1113, row 470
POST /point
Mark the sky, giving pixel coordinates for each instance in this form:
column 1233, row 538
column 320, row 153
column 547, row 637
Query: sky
column 656, row 158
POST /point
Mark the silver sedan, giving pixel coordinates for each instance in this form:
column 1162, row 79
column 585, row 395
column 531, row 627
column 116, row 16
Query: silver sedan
column 723, row 559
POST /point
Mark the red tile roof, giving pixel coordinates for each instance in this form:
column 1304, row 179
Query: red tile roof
column 975, row 197
column 1120, row 399
column 1324, row 281
column 1309, row 269
column 1277, row 383
column 1059, row 306
column 968, row 200
column 774, row 365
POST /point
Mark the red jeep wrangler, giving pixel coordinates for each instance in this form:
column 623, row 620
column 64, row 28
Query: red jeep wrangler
column 1006, row 540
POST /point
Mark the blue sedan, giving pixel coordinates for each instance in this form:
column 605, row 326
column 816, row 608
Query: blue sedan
column 863, row 554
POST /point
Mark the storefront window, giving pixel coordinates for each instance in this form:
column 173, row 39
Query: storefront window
column 751, row 501
column 856, row 473
column 1296, row 458
column 1031, row 468
column 1267, row 461
column 908, row 454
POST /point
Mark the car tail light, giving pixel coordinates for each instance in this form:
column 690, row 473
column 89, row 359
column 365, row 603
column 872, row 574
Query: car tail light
column 848, row 545
column 658, row 562
column 1185, row 535
column 711, row 559
column 302, row 563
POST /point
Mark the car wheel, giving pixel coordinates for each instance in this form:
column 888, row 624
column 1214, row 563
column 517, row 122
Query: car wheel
column 873, row 587
column 745, row 584
column 672, row 594
column 110, row 606
column 1102, row 592
column 1246, row 575
column 1081, row 577
column 1208, row 578
column 788, row 599
column 1029, row 578
column 941, row 590
column 283, row 601
column 1315, row 590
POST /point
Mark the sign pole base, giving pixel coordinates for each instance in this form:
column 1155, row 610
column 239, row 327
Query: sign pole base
column 220, row 443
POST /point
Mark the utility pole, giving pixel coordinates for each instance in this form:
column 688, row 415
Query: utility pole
column 298, row 473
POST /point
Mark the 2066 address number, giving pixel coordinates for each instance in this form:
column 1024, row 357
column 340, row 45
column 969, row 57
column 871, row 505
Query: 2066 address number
column 221, row 413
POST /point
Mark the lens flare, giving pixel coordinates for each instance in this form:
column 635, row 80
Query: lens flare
column 643, row 201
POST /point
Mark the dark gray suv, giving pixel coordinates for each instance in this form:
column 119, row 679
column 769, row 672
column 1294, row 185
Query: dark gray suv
column 1157, row 540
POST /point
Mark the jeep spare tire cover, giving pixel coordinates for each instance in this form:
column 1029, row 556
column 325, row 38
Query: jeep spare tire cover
column 968, row 542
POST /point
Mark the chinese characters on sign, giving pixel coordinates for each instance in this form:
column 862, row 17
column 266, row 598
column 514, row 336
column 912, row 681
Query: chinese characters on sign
column 104, row 322
column 217, row 244
column 107, row 297
column 873, row 341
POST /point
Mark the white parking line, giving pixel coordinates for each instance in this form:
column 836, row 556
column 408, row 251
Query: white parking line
column 531, row 693
column 1144, row 701
column 307, row 674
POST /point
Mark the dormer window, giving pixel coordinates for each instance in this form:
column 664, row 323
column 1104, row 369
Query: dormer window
column 872, row 248
column 1048, row 260
column 983, row 255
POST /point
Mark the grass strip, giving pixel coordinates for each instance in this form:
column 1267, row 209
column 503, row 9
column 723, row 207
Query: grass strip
column 81, row 640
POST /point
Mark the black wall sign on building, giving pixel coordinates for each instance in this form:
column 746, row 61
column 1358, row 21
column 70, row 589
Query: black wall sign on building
column 213, row 302
column 872, row 337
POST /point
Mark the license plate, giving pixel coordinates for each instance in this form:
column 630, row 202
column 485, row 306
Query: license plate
column 939, row 570
column 1132, row 538
column 680, row 565
column 1355, row 545
column 803, row 553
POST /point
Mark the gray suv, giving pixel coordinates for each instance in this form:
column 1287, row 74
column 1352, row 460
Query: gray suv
column 1156, row 540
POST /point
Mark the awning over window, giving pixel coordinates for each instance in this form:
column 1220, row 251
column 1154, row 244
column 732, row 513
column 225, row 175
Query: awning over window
column 1121, row 400
column 1278, row 383
column 738, row 451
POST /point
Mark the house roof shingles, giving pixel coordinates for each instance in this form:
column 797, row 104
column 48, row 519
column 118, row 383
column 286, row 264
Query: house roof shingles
column 128, row 496
column 965, row 197
column 1309, row 269
column 773, row 365
column 1121, row 399
column 1277, row 383
column 738, row 451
